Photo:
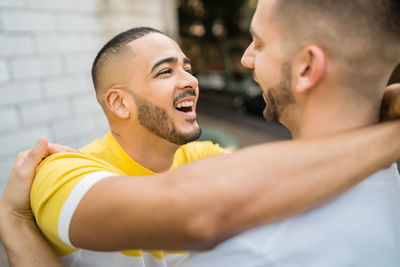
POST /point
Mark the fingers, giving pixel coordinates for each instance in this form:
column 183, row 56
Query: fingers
column 394, row 101
column 38, row 152
column 31, row 158
column 27, row 161
column 395, row 88
column 57, row 148
column 391, row 102
column 21, row 157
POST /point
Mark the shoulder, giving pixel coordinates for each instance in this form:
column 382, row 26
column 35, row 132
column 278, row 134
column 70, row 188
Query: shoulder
column 56, row 178
column 64, row 170
column 58, row 174
column 58, row 165
column 206, row 148
column 94, row 148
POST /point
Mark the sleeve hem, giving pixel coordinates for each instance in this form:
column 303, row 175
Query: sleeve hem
column 73, row 200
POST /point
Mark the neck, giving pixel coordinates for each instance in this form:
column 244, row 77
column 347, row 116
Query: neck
column 147, row 149
column 330, row 113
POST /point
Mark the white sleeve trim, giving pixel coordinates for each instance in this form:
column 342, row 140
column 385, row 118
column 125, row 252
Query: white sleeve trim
column 73, row 201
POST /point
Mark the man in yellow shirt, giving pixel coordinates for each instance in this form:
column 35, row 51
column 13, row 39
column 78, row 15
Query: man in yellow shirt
column 152, row 140
column 149, row 97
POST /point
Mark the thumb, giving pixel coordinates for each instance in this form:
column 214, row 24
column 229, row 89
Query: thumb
column 35, row 156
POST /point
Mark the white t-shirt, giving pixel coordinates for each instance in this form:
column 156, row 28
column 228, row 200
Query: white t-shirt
column 360, row 228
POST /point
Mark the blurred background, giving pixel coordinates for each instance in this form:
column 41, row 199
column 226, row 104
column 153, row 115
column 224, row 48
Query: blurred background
column 47, row 48
column 46, row 51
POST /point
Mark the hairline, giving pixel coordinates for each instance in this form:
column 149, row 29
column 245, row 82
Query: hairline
column 119, row 48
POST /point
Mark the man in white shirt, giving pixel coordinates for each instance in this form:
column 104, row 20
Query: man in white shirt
column 214, row 170
column 317, row 84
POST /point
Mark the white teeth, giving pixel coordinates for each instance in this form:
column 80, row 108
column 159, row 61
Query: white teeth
column 185, row 104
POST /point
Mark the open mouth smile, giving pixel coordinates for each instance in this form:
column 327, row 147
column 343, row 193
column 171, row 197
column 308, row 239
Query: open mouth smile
column 186, row 107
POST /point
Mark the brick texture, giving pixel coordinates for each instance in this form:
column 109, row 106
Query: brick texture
column 46, row 51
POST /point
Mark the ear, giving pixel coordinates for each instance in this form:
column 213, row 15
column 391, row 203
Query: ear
column 309, row 68
column 117, row 103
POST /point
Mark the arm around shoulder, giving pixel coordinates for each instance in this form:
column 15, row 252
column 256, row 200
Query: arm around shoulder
column 202, row 203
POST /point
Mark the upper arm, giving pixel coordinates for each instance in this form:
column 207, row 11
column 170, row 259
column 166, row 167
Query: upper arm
column 75, row 207
column 120, row 213
column 51, row 195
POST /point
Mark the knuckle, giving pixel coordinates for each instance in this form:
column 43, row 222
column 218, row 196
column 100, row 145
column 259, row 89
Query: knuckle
column 19, row 172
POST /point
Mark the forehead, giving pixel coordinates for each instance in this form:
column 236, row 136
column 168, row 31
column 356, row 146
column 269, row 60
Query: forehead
column 263, row 25
column 152, row 47
column 262, row 19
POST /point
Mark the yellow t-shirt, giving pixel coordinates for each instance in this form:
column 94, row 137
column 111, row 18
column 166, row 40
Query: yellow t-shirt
column 63, row 179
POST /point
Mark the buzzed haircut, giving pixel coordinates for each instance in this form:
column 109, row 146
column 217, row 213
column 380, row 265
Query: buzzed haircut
column 115, row 46
column 361, row 36
column 376, row 20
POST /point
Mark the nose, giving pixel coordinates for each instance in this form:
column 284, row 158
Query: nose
column 187, row 80
column 248, row 57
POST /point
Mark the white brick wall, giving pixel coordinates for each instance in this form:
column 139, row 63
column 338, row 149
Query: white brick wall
column 4, row 72
column 8, row 118
column 16, row 140
column 70, row 5
column 35, row 67
column 28, row 21
column 44, row 111
column 20, row 92
column 15, row 45
column 57, row 43
column 66, row 85
column 12, row 3
column 46, row 51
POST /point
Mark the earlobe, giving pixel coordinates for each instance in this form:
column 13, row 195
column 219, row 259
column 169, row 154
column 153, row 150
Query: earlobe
column 116, row 103
column 310, row 68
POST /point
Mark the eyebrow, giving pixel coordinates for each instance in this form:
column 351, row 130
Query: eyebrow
column 253, row 33
column 169, row 60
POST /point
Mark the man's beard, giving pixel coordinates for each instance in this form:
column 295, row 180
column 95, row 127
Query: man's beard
column 157, row 121
column 278, row 97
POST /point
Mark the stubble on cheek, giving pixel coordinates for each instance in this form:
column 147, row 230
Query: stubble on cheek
column 278, row 97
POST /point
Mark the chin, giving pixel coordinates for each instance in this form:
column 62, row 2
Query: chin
column 193, row 134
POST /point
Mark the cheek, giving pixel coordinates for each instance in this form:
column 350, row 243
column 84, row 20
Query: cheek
column 262, row 71
column 160, row 93
column 268, row 67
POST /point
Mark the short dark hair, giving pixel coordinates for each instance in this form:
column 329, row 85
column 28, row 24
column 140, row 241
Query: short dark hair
column 377, row 19
column 357, row 33
column 115, row 46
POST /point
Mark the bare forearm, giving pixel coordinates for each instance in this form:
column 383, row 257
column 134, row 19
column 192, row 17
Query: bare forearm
column 197, row 204
column 264, row 184
column 24, row 245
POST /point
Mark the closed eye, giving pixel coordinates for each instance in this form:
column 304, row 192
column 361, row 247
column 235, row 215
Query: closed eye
column 257, row 47
column 166, row 71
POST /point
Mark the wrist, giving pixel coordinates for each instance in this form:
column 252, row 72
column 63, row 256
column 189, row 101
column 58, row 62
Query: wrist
column 12, row 220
